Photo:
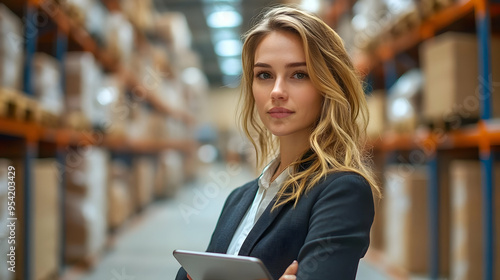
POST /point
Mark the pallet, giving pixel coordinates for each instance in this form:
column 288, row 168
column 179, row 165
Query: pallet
column 16, row 105
column 405, row 23
column 76, row 121
column 49, row 119
column 451, row 123
column 430, row 7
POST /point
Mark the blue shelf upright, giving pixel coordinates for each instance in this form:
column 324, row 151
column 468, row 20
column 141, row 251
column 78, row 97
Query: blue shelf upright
column 433, row 197
column 31, row 37
column 483, row 23
column 60, row 51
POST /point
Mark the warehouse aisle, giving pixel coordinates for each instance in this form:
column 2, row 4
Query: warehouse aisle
column 144, row 250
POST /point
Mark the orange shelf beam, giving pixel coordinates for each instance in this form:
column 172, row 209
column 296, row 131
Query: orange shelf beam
column 427, row 28
column 445, row 17
column 64, row 137
column 466, row 138
column 29, row 131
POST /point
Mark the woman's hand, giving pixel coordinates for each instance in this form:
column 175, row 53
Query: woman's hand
column 291, row 272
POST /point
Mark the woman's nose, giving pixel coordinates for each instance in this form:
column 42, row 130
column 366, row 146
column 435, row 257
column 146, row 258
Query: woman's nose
column 279, row 90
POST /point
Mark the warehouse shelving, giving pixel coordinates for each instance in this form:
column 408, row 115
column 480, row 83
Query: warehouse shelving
column 388, row 49
column 71, row 28
column 29, row 139
column 482, row 136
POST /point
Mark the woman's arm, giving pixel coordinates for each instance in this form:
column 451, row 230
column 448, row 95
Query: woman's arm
column 339, row 230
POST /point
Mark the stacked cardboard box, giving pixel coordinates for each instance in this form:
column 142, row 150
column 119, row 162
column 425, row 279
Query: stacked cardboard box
column 170, row 174
column 119, row 37
column 47, row 83
column 143, row 182
column 173, row 28
column 404, row 102
column 86, row 205
column 83, row 81
column 376, row 107
column 119, row 196
column 11, row 49
column 452, row 80
column 46, row 218
column 172, row 93
column 467, row 224
column 78, row 10
column 140, row 13
column 407, row 220
column 114, row 109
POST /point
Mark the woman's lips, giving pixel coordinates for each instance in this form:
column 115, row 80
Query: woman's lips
column 279, row 112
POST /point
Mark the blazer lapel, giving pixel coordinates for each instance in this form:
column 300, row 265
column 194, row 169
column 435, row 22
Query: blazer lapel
column 265, row 220
column 235, row 217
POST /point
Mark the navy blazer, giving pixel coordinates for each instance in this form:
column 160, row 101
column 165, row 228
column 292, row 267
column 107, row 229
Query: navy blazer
column 327, row 232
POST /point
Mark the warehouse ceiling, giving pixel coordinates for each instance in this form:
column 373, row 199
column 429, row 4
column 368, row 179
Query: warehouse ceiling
column 222, row 69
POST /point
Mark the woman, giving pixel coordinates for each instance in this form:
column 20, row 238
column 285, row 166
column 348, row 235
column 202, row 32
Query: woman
column 308, row 215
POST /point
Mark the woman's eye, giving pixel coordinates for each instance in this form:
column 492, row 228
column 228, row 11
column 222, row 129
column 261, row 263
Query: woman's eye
column 263, row 75
column 300, row 76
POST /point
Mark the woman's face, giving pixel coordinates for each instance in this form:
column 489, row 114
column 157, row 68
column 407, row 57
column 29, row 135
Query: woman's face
column 286, row 100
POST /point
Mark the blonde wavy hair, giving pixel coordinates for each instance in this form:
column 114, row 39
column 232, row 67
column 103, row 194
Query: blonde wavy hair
column 337, row 140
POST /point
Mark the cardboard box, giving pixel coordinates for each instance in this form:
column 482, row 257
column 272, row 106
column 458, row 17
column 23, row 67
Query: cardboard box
column 83, row 82
column 467, row 225
column 450, row 67
column 404, row 102
column 86, row 205
column 114, row 116
column 170, row 174
column 376, row 107
column 377, row 232
column 140, row 13
column 46, row 218
column 173, row 28
column 119, row 194
column 119, row 37
column 407, row 220
column 143, row 186
column 47, row 83
column 11, row 49
column 119, row 203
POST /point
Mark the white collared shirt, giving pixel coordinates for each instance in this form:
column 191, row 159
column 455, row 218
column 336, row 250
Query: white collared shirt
column 265, row 194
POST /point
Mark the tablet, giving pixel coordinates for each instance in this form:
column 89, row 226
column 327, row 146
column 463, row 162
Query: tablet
column 213, row 266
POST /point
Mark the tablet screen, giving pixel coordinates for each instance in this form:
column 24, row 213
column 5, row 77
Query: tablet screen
column 212, row 266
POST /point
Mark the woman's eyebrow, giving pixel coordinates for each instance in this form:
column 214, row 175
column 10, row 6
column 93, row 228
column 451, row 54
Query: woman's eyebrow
column 263, row 65
column 289, row 65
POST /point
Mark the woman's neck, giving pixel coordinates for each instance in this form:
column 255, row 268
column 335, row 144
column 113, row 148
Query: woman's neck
column 291, row 149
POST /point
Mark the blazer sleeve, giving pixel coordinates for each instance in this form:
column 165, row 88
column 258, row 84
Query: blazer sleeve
column 339, row 230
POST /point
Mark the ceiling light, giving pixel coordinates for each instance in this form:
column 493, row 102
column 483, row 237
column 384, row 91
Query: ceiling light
column 222, row 19
column 220, row 34
column 192, row 76
column 231, row 66
column 228, row 48
column 310, row 5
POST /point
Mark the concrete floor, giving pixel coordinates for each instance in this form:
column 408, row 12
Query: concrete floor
column 143, row 250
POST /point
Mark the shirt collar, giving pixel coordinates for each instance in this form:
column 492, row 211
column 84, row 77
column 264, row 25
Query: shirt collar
column 267, row 174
